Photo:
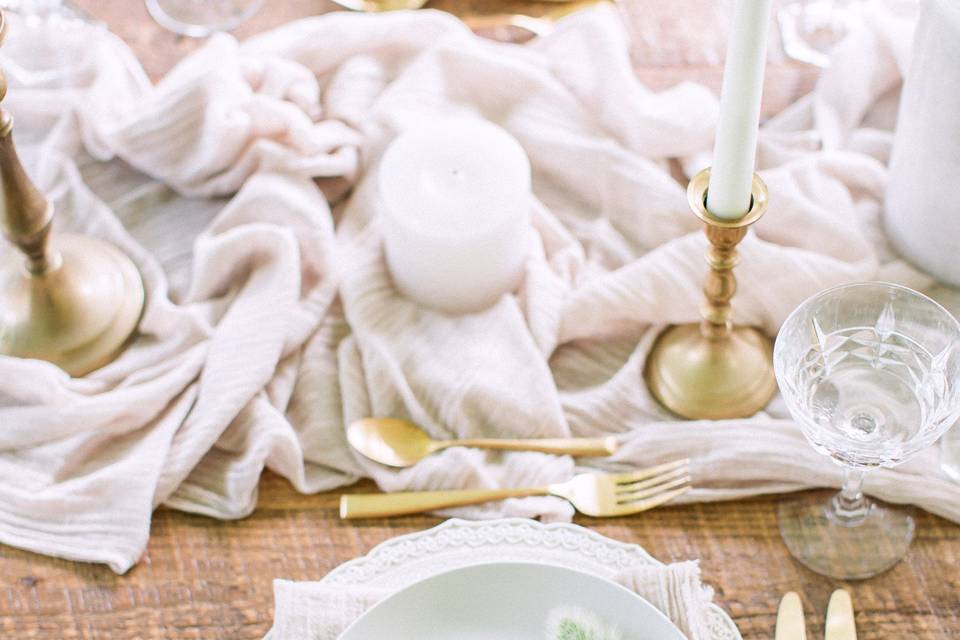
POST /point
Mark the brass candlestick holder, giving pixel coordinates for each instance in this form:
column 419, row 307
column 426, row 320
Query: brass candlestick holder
column 713, row 370
column 74, row 300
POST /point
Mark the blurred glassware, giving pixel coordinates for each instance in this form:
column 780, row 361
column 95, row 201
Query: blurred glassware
column 38, row 11
column 46, row 40
column 32, row 7
column 201, row 18
column 699, row 39
column 950, row 453
column 949, row 297
column 21, row 6
column 809, row 29
column 871, row 373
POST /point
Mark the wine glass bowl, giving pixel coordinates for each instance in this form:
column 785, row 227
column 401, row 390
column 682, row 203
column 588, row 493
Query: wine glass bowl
column 871, row 374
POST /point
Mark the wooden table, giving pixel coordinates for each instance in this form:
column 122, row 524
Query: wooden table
column 201, row 578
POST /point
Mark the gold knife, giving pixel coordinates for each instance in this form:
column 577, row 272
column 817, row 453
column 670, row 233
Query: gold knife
column 840, row 621
column 790, row 623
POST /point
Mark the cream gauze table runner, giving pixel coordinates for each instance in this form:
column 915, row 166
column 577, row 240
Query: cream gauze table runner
column 237, row 183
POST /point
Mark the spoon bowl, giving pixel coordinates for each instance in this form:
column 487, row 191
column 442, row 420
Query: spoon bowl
column 399, row 443
column 389, row 441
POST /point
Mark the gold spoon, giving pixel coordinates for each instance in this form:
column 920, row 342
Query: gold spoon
column 398, row 443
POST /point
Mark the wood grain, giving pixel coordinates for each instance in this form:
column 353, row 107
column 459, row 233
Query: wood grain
column 202, row 578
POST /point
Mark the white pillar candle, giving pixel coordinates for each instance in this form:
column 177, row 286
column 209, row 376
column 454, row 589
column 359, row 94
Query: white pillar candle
column 455, row 199
column 735, row 148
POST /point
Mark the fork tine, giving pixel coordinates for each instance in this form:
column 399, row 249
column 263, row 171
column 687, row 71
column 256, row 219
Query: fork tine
column 643, row 474
column 626, row 497
column 645, row 505
column 636, row 485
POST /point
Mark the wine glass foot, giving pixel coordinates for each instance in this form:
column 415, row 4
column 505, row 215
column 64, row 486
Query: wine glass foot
column 836, row 549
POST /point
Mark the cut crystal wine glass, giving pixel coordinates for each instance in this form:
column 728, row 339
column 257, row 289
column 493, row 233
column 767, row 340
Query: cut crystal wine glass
column 871, row 373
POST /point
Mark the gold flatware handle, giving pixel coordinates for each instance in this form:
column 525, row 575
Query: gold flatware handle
column 559, row 446
column 790, row 621
column 536, row 25
column 840, row 624
column 383, row 505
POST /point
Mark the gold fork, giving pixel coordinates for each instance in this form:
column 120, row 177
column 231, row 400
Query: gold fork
column 597, row 495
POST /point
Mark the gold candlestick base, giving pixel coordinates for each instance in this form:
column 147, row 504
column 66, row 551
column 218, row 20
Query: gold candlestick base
column 74, row 300
column 704, row 379
column 78, row 313
column 712, row 370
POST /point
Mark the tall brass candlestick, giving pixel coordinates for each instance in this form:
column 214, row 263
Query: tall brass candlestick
column 713, row 370
column 73, row 300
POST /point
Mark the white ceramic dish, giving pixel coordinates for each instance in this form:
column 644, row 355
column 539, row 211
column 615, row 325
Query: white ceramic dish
column 406, row 560
column 506, row 601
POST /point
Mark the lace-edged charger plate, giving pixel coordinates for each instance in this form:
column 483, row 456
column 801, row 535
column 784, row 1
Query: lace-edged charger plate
column 406, row 560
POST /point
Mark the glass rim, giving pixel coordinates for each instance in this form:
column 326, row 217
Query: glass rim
column 864, row 284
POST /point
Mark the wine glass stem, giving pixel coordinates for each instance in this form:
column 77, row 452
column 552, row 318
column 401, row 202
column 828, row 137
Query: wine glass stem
column 850, row 507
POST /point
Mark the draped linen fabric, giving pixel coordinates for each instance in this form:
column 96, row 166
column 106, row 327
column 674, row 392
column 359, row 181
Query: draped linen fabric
column 240, row 186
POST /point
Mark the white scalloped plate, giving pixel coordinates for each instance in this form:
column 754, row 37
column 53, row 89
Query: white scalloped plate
column 405, row 560
column 506, row 601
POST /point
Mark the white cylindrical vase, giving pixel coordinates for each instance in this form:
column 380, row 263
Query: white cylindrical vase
column 922, row 210
column 455, row 216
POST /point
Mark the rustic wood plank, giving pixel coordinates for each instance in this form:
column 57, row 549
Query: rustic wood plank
column 202, row 578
